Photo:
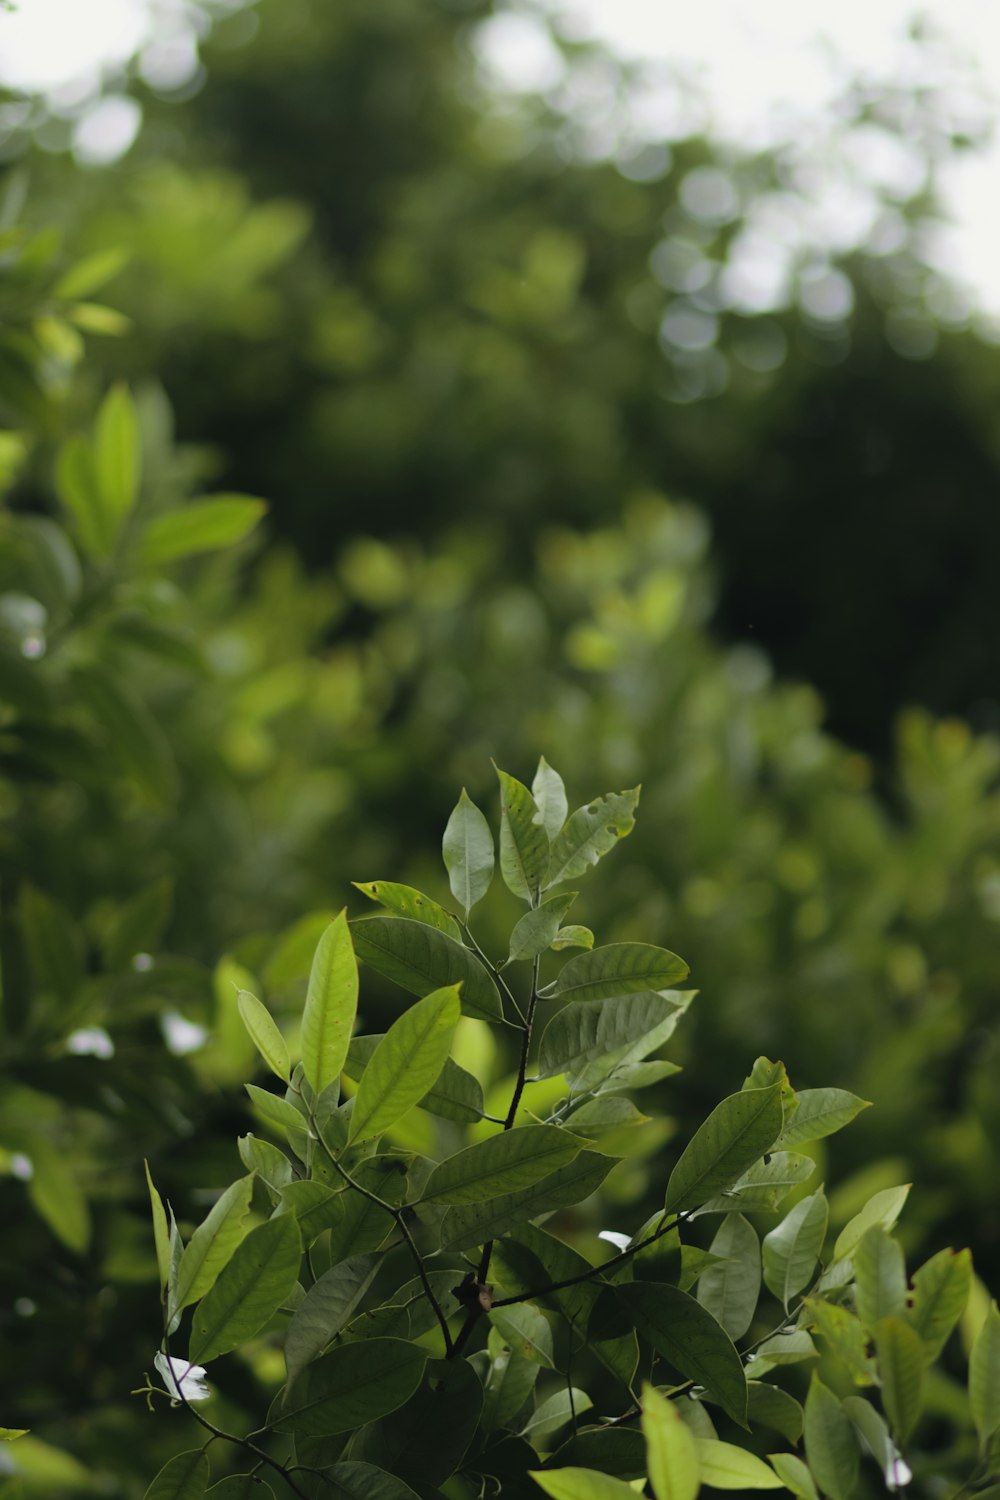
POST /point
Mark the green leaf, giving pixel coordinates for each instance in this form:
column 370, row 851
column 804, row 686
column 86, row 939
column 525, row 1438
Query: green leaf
column 312, row 1204
column 182, row 1478
column 763, row 1186
column 735, row 1135
column 272, row 1166
column 406, row 902
column 353, row 1384
column 581, row 1484
column 511, row 1381
column 690, row 1338
column 788, row 1347
column 845, row 1336
column 471, row 1224
column 526, row 1332
column 76, row 482
column 819, row 1113
column 984, row 1377
column 940, row 1292
column 10, row 1434
column 456, row 1095
column 770, row 1406
column 425, row 1440
column 729, row 1291
column 580, row 1034
column 467, row 848
column 572, row 937
column 879, row 1277
column 241, row 1487
column 263, row 1032
column 831, row 1446
column 161, row 1234
column 794, row 1475
column 90, row 274
column 326, row 1308
column 503, row 1163
column 615, row 970
column 279, row 1113
column 550, row 798
column 131, row 732
column 117, row 455
column 55, row 1193
column 553, row 1414
column 901, row 1360
column 211, row 1245
column 537, row 928
column 882, row 1209
column 351, row 1480
column 421, row 959
column 874, row 1435
column 524, row 843
column 204, row 526
column 405, row 1064
column 249, row 1290
column 726, row 1467
column 791, row 1250
column 331, row 1006
column 671, row 1454
column 591, row 832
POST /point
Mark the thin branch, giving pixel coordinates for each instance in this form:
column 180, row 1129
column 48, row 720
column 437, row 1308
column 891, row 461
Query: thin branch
column 494, row 971
column 608, row 1265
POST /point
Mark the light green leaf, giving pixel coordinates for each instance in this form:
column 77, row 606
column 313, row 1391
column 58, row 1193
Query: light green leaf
column 279, row 1113
column 76, row 482
column 615, row 970
column 726, row 1467
column 524, row 844
column 940, row 1292
column 263, row 1032
column 456, row 1094
column 117, row 455
column 901, row 1360
column 882, row 1209
column 537, row 928
column 503, row 1163
column 471, row 1224
column 690, row 1338
column 729, row 1290
column 572, row 936
column 555, row 1412
column 312, row 1204
column 204, row 526
column 331, row 1006
column 789, row 1347
column 55, row 1193
column 10, row 1434
column 984, row 1377
column 581, row 1484
column 794, row 1475
column 591, row 832
column 845, row 1336
column 326, row 1308
column 770, row 1406
column 211, row 1245
column 272, row 1166
column 182, row 1478
column 550, row 798
column 421, row 959
column 879, row 1277
column 735, row 1135
column 580, row 1034
column 249, row 1290
column 511, row 1381
column 831, row 1445
column 671, row 1454
column 161, row 1234
column 354, row 1383
column 406, row 902
column 819, row 1113
column 874, row 1435
column 90, row 274
column 405, row 1064
column 467, row 848
column 791, row 1250
column 526, row 1332
column 763, row 1186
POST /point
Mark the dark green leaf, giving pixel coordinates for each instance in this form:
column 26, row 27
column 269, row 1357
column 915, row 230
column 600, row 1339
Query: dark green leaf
column 331, row 1006
column 690, row 1338
column 55, row 1193
column 241, row 1487
column 312, row 1204
column 525, row 1331
column 130, row 731
column 843, row 1334
column 591, row 832
column 425, row 1440
column 511, row 1381
column 182, row 1478
column 249, row 1290
column 940, row 1292
column 735, row 1135
column 524, row 844
column 328, row 1305
column 615, row 970
column 791, row 1250
column 353, row 1384
column 475, row 1223
column 406, row 1063
column 406, row 902
column 879, row 1277
column 421, row 959
column 467, row 848
column 204, row 526
column 613, row 1450
column 503, row 1163
column 901, row 1359
column 581, row 1034
column 351, row 1480
column 984, row 1377
column 831, row 1446
column 770, row 1406
column 729, row 1290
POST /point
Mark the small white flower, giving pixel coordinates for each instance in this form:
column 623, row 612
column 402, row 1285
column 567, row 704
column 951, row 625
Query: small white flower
column 184, row 1382
column 898, row 1473
column 620, row 1241
column 181, row 1035
column 90, row 1041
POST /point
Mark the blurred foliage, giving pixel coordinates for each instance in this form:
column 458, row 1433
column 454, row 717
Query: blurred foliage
column 406, row 313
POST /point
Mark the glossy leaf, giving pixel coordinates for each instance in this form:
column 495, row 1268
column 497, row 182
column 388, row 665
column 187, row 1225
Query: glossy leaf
column 580, row 1034
column 327, row 1306
column 212, row 1245
column 503, row 1163
column 729, row 1290
column 901, row 1361
column 524, row 844
column 331, row 1005
column 421, row 959
column 882, row 1209
column 184, row 1477
column 671, row 1454
column 405, row 1064
column 615, row 970
column 831, row 1446
column 581, row 1484
column 591, row 832
column 940, row 1292
column 984, row 1377
column 550, row 798
column 791, row 1250
column 474, row 1223
column 407, row 902
column 537, row 929
column 221, row 521
column 353, row 1384
column 467, row 848
column 526, row 1332
column 879, row 1277
column 690, row 1338
column 161, row 1233
column 818, row 1113
column 249, row 1290
column 794, row 1475
column 725, row 1467
column 263, row 1032
column 735, row 1135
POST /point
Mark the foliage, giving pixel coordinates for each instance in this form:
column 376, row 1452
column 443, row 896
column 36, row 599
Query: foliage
column 438, row 1340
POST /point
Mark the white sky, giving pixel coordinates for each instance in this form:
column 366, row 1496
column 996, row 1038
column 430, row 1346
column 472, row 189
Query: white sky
column 762, row 64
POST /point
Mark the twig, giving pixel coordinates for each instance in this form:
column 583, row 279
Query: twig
column 616, row 1260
